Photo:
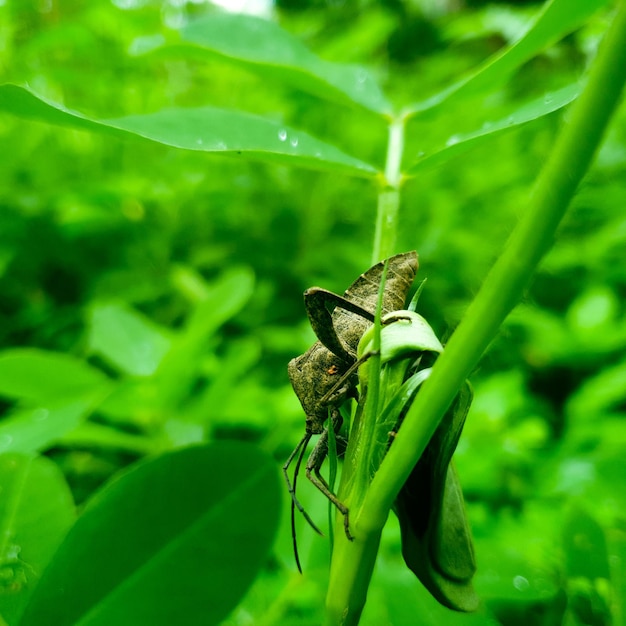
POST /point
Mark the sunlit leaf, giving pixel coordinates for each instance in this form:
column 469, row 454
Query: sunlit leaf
column 204, row 129
column 599, row 393
column 267, row 49
column 126, row 339
column 223, row 299
column 36, row 510
column 461, row 142
column 39, row 376
column 34, row 429
column 556, row 19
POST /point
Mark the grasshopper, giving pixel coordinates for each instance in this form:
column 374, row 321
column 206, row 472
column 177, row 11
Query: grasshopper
column 436, row 540
column 325, row 375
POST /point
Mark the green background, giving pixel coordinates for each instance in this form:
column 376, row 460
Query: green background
column 151, row 296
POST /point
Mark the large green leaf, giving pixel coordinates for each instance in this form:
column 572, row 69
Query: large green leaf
column 557, row 19
column 175, row 540
column 36, row 510
column 127, row 340
column 55, row 393
column 34, row 429
column 40, row 377
column 267, row 49
column 203, row 129
column 461, row 142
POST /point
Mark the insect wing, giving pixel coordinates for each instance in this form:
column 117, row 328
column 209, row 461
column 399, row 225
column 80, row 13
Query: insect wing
column 364, row 292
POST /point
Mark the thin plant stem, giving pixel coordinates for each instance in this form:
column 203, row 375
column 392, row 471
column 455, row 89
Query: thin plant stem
column 580, row 136
column 389, row 194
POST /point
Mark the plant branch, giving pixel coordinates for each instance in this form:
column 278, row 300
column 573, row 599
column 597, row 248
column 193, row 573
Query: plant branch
column 579, row 138
column 389, row 195
column 576, row 145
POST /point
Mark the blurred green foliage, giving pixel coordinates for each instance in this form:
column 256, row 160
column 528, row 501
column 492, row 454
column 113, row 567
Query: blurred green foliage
column 165, row 287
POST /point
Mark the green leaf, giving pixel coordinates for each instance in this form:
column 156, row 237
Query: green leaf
column 94, row 435
column 31, row 430
column 409, row 334
column 39, row 376
column 461, row 142
column 36, row 510
column 598, row 394
column 584, row 545
column 267, row 49
column 57, row 391
column 203, row 129
column 127, row 340
column 556, row 19
column 222, row 300
column 175, row 540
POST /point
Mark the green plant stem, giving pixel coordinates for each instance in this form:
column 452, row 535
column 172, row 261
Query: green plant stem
column 389, row 195
column 578, row 140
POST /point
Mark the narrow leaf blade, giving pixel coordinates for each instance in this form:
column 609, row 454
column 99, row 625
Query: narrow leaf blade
column 202, row 129
column 462, row 142
column 265, row 48
column 555, row 20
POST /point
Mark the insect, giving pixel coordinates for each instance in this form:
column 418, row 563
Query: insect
column 436, row 540
column 324, row 376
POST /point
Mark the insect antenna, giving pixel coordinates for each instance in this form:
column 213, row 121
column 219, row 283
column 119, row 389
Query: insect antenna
column 295, row 503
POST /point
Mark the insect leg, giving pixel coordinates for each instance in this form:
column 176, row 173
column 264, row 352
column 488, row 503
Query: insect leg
column 314, row 464
column 295, row 503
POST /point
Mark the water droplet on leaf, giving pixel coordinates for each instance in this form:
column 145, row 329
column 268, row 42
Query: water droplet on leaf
column 40, row 415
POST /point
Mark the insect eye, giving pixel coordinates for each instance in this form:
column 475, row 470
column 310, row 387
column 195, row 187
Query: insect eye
column 332, row 370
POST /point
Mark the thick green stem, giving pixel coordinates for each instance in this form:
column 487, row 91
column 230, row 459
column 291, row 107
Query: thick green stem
column 389, row 195
column 353, row 562
column 504, row 286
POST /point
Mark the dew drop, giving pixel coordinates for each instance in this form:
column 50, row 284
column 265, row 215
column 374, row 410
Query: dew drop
column 12, row 552
column 282, row 134
column 521, row 583
column 453, row 140
column 294, row 142
column 199, row 141
column 361, row 76
column 40, row 415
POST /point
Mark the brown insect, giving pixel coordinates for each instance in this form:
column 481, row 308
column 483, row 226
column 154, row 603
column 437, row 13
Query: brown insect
column 436, row 540
column 325, row 375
